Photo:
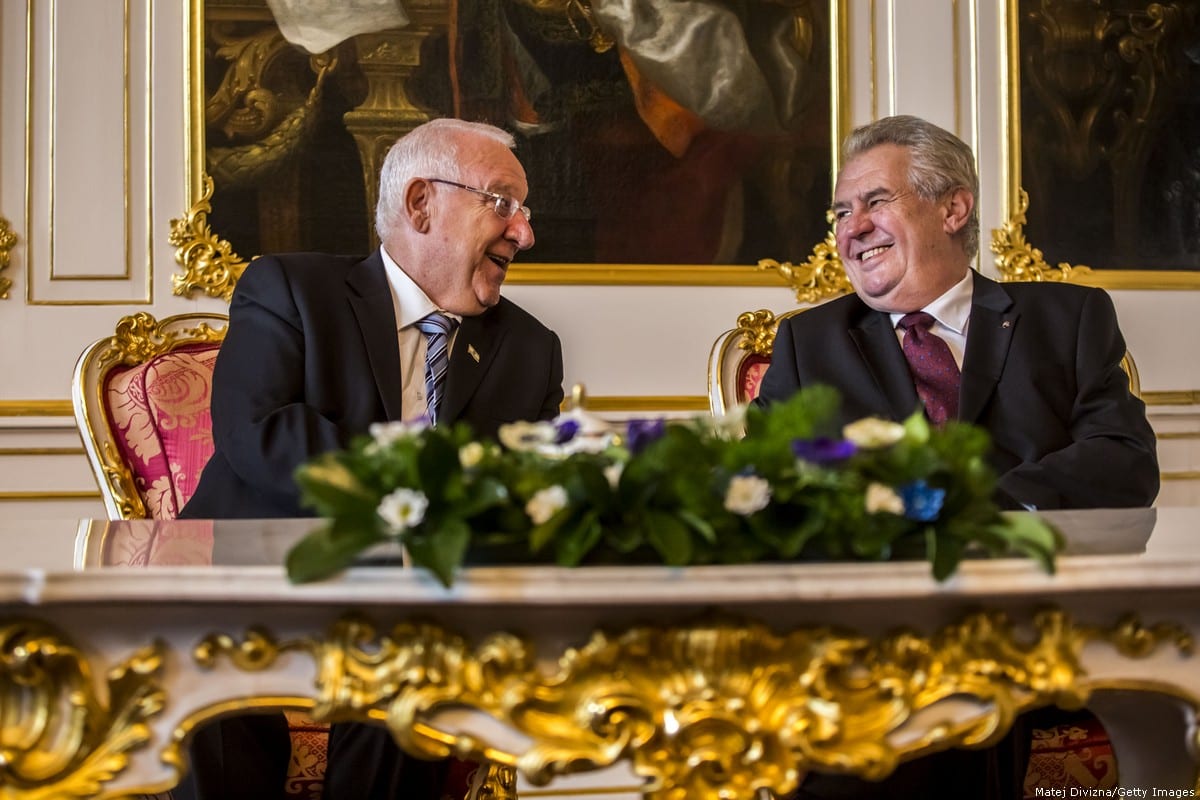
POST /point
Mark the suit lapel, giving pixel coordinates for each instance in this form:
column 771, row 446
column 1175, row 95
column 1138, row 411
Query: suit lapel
column 475, row 346
column 371, row 300
column 993, row 322
column 880, row 350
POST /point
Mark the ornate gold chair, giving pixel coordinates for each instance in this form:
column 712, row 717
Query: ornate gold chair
column 141, row 399
column 739, row 358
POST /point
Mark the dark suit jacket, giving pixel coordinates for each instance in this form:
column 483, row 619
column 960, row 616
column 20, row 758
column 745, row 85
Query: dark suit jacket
column 311, row 359
column 1041, row 373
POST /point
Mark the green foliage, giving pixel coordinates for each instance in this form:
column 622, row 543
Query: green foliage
column 688, row 493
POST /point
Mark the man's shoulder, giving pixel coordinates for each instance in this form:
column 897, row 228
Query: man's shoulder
column 842, row 311
column 506, row 312
column 319, row 265
column 1049, row 290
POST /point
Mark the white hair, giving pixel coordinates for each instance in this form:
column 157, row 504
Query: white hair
column 431, row 150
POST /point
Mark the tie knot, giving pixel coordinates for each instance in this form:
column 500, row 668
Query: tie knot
column 919, row 320
column 436, row 323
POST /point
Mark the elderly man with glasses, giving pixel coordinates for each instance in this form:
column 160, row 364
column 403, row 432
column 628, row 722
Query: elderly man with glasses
column 321, row 346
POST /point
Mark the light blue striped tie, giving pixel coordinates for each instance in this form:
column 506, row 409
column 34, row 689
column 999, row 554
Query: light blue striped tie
column 437, row 328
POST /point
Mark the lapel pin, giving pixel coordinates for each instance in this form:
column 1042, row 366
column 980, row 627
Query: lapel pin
column 1006, row 324
column 473, row 353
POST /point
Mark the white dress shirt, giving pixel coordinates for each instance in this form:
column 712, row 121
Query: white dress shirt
column 952, row 314
column 410, row 304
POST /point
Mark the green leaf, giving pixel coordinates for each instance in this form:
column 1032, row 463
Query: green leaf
column 944, row 553
column 1029, row 534
column 437, row 462
column 329, row 487
column 440, row 547
column 328, row 550
column 480, row 495
column 542, row 534
column 578, row 540
column 670, row 538
column 699, row 524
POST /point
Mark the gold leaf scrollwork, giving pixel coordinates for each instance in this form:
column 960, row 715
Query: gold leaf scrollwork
column 757, row 329
column 720, row 708
column 8, row 241
column 140, row 337
column 59, row 739
column 1017, row 260
column 209, row 263
column 819, row 278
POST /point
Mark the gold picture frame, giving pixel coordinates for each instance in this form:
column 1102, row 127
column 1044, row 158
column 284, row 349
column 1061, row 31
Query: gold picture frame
column 1134, row 41
column 209, row 264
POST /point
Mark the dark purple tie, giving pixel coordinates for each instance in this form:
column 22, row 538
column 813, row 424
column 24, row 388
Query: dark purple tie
column 934, row 372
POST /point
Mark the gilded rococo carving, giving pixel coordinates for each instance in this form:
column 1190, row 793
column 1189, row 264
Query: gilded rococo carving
column 8, row 241
column 1018, row 260
column 717, row 708
column 61, row 736
column 819, row 278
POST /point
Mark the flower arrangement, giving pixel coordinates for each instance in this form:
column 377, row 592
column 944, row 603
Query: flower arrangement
column 696, row 492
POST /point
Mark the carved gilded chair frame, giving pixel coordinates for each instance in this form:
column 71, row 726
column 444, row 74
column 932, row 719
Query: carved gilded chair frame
column 210, row 266
column 1017, row 259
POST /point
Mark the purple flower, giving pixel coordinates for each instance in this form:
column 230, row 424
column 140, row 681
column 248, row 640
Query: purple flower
column 823, row 450
column 922, row 503
column 565, row 430
column 641, row 432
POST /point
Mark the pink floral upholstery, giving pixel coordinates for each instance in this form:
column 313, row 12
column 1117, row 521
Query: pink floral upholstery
column 749, row 376
column 162, row 425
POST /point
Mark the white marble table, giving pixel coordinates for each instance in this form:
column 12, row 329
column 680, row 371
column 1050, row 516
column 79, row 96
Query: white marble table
column 118, row 639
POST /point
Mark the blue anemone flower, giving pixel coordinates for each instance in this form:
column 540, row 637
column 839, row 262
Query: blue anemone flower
column 565, row 430
column 639, row 433
column 823, row 450
column 922, row 502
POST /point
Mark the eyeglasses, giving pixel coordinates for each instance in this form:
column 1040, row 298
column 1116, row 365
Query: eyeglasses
column 842, row 212
column 505, row 207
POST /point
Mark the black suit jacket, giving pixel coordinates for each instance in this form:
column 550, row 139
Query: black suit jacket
column 1041, row 373
column 311, row 359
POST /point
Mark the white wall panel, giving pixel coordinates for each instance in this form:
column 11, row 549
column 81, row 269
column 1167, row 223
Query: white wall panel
column 90, row 218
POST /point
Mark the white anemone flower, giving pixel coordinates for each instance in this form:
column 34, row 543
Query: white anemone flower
column 402, row 509
column 872, row 433
column 731, row 424
column 470, row 454
column 747, row 494
column 546, row 503
column 881, row 498
column 525, row 436
column 613, row 473
column 386, row 434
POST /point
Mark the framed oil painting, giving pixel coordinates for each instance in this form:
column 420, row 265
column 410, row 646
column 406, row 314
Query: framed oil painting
column 1104, row 143
column 676, row 144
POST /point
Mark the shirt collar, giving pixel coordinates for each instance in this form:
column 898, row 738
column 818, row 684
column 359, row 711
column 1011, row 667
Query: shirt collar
column 952, row 309
column 408, row 299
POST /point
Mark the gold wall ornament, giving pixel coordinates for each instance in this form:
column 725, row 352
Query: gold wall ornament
column 60, row 738
column 1018, row 260
column 721, row 707
column 8, row 240
column 819, row 278
column 209, row 263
